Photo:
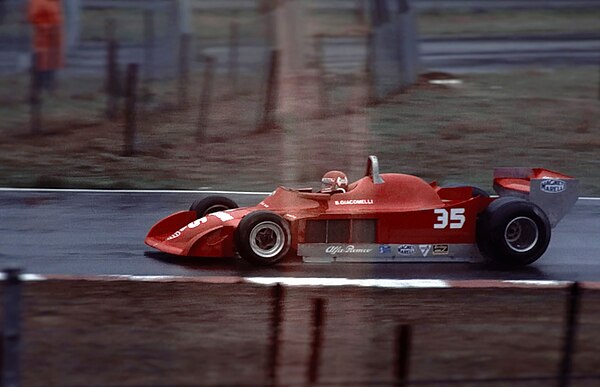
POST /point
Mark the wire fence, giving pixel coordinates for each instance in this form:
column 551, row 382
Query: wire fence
column 206, row 76
column 98, row 39
column 325, row 342
column 209, row 78
column 90, row 87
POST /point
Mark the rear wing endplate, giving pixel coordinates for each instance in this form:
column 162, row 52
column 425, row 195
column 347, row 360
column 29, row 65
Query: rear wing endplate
column 554, row 192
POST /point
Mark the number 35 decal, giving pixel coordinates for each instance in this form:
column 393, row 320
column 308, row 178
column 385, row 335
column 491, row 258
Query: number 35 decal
column 455, row 219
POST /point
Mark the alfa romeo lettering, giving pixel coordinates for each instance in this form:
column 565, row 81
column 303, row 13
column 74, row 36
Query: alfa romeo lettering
column 350, row 249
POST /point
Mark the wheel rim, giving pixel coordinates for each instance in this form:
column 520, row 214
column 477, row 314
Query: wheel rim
column 521, row 234
column 267, row 239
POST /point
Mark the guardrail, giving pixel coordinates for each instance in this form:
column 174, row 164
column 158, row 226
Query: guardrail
column 421, row 5
column 332, row 5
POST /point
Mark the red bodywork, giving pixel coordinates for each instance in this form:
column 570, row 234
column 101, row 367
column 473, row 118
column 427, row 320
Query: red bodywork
column 523, row 184
column 402, row 208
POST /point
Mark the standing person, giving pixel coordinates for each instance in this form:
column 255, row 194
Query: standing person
column 46, row 17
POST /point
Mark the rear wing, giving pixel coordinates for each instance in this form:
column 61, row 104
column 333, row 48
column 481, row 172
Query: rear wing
column 554, row 192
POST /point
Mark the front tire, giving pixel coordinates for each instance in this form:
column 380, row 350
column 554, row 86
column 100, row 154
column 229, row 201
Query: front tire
column 212, row 204
column 263, row 238
column 513, row 232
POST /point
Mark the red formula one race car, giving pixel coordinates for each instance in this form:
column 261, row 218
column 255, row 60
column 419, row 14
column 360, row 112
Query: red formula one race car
column 379, row 218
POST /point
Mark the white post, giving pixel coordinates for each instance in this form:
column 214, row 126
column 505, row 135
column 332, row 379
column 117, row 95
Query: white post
column 184, row 16
column 72, row 20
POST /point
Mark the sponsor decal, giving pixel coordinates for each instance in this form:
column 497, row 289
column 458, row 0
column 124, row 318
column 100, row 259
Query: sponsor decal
column 350, row 249
column 263, row 204
column 425, row 249
column 385, row 249
column 197, row 222
column 176, row 234
column 222, row 215
column 406, row 250
column 553, row 185
column 353, row 202
column 440, row 249
column 290, row 216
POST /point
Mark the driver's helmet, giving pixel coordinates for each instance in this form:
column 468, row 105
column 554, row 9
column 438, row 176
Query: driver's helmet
column 334, row 181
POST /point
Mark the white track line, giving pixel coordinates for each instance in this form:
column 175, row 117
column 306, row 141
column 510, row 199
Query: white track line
column 110, row 191
column 313, row 281
column 378, row 283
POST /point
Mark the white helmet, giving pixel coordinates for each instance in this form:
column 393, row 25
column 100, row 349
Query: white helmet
column 334, row 181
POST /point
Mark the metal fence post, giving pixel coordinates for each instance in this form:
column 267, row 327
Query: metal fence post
column 267, row 121
column 599, row 82
column 35, row 96
column 205, row 97
column 276, row 319
column 184, row 68
column 149, row 43
column 319, row 62
column 317, row 340
column 12, row 329
column 130, row 108
column 2, row 10
column 403, row 346
column 112, row 73
column 233, row 59
column 370, row 69
column 564, row 377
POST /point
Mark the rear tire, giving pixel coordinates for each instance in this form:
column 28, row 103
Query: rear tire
column 263, row 238
column 513, row 232
column 212, row 204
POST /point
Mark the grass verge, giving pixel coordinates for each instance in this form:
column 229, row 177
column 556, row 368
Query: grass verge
column 449, row 133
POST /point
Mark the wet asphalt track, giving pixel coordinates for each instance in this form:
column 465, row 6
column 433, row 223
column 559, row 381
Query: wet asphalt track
column 90, row 233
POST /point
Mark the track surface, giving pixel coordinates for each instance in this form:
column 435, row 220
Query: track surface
column 91, row 233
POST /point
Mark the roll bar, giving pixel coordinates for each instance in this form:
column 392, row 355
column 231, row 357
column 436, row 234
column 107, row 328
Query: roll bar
column 373, row 170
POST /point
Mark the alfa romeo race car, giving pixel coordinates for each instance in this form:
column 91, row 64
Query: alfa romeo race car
column 380, row 218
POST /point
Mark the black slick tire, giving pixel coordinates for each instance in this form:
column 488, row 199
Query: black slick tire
column 212, row 204
column 513, row 232
column 263, row 238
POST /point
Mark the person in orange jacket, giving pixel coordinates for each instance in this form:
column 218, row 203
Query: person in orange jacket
column 46, row 18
